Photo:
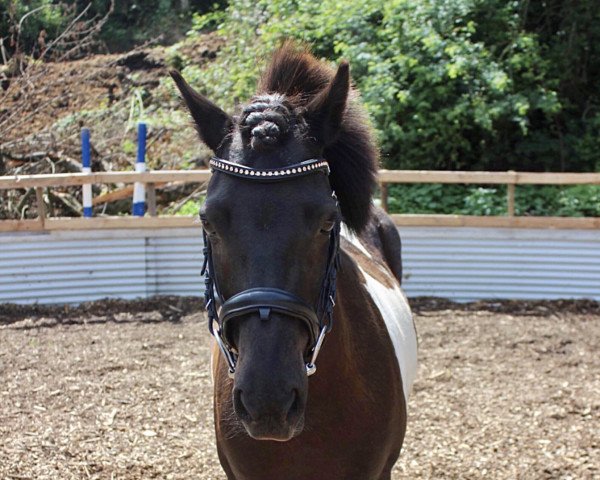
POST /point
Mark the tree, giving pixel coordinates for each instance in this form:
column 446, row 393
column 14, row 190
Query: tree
column 451, row 84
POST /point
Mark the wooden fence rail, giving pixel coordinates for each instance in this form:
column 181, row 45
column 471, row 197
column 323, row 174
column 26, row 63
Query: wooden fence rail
column 77, row 179
column 511, row 179
column 515, row 178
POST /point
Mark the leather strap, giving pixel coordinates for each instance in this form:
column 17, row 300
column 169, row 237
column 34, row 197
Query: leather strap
column 308, row 167
column 264, row 301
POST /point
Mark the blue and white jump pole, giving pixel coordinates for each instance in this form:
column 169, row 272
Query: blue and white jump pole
column 139, row 189
column 86, row 168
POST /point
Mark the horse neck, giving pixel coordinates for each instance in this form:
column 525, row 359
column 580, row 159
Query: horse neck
column 357, row 328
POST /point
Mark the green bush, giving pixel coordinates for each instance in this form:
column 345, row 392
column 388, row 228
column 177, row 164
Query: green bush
column 530, row 200
column 426, row 198
column 575, row 201
column 485, row 201
column 131, row 22
column 37, row 15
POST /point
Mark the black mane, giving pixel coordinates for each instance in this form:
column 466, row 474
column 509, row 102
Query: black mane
column 353, row 157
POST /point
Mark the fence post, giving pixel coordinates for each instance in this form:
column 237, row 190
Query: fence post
column 510, row 196
column 86, row 168
column 41, row 207
column 139, row 189
column 384, row 196
column 152, row 199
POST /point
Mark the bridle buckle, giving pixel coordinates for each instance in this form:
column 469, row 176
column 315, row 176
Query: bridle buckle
column 311, row 366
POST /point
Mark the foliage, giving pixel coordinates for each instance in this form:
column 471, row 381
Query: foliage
column 36, row 16
column 450, row 84
column 575, row 201
column 131, row 23
column 485, row 201
column 426, row 198
column 135, row 22
column 189, row 208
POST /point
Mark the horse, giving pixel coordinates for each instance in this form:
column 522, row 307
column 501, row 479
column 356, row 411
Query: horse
column 299, row 264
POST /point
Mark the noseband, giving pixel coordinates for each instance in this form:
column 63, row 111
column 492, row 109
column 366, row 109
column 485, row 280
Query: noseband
column 263, row 300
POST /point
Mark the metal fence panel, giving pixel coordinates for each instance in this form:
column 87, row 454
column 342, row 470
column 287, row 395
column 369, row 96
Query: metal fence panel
column 474, row 263
column 461, row 264
column 63, row 268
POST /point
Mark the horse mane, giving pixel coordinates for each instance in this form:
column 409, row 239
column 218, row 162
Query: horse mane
column 353, row 157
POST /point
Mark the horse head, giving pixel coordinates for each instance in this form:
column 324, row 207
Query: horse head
column 271, row 218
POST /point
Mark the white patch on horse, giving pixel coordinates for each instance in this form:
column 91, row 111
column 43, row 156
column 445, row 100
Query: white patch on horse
column 397, row 316
column 212, row 364
column 354, row 240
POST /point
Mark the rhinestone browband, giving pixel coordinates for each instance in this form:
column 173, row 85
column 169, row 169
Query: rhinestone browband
column 271, row 174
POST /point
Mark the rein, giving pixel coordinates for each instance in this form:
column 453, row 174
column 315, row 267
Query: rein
column 264, row 300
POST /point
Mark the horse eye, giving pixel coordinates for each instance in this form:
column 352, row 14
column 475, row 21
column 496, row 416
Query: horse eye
column 328, row 226
column 208, row 227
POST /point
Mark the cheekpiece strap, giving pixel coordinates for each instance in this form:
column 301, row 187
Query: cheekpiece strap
column 307, row 167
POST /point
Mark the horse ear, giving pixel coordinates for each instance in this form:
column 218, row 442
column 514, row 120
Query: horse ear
column 325, row 112
column 212, row 123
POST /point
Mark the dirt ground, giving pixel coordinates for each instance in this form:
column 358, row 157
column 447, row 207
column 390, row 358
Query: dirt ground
column 121, row 390
column 53, row 90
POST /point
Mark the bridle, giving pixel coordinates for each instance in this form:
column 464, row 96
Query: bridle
column 264, row 300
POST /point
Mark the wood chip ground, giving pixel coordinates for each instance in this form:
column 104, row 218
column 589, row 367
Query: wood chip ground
column 124, row 393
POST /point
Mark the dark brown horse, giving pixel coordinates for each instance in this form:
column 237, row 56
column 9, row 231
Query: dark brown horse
column 296, row 167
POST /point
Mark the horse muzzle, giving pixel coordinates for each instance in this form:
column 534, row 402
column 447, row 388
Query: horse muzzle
column 278, row 419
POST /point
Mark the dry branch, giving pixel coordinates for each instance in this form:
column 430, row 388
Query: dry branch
column 67, row 201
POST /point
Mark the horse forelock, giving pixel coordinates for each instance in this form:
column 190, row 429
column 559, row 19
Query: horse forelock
column 293, row 71
column 293, row 78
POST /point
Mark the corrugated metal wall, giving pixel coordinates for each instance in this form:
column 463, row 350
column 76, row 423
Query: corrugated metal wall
column 174, row 263
column 72, row 267
column 457, row 263
column 472, row 263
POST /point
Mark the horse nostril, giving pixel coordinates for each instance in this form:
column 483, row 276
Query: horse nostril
column 238, row 405
column 295, row 407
